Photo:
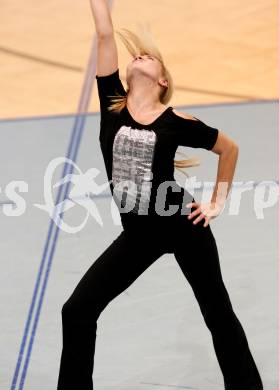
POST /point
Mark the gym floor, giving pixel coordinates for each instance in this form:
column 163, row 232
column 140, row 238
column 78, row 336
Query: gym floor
column 223, row 58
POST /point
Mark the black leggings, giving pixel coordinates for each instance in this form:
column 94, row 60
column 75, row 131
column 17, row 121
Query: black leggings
column 127, row 257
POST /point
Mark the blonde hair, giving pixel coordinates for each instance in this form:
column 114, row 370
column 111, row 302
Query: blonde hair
column 144, row 44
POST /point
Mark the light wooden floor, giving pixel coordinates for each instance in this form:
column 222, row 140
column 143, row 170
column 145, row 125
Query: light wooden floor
column 217, row 51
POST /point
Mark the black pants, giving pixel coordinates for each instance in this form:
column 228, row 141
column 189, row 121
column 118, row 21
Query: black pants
column 138, row 246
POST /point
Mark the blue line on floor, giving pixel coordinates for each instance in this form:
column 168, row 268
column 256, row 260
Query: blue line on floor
column 50, row 246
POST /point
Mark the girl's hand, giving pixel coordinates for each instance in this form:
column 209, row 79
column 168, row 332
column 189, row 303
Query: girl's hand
column 207, row 211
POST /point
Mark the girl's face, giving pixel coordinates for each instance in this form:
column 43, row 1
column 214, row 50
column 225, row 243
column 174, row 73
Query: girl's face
column 147, row 65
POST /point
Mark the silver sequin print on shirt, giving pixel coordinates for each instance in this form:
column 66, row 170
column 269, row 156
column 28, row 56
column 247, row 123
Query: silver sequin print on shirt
column 133, row 153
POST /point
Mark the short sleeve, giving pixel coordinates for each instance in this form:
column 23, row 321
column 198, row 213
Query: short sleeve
column 109, row 85
column 195, row 133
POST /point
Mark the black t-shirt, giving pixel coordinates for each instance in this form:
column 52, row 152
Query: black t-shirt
column 139, row 158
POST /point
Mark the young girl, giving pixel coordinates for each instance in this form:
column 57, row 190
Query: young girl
column 139, row 135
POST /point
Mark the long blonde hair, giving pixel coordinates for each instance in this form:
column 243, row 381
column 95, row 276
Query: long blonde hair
column 144, row 44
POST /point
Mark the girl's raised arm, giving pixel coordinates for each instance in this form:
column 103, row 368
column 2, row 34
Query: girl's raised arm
column 107, row 57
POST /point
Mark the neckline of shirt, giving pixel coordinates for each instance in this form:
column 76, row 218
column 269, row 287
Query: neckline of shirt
column 149, row 124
